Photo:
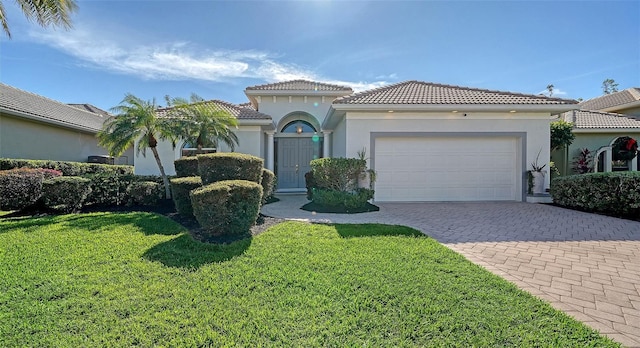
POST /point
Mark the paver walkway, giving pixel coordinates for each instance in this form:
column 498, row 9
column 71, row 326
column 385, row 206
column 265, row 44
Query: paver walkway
column 586, row 265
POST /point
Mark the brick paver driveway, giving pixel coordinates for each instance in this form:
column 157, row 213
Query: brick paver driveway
column 586, row 265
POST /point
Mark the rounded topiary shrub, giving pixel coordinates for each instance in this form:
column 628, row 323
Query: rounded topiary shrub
column 186, row 166
column 229, row 166
column 268, row 184
column 22, row 187
column 180, row 190
column 145, row 193
column 227, row 208
column 66, row 193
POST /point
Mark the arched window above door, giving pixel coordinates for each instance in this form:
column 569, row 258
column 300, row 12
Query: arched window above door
column 299, row 127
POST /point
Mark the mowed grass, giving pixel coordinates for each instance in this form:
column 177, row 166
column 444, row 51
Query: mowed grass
column 138, row 279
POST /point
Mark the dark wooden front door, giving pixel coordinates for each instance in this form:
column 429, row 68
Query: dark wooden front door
column 294, row 155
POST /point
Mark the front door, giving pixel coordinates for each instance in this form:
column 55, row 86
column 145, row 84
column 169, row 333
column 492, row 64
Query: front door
column 294, row 155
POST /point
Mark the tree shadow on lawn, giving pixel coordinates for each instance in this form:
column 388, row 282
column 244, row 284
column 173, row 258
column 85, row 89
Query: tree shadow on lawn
column 376, row 230
column 186, row 252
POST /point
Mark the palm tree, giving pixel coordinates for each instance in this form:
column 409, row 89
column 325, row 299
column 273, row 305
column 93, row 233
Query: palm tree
column 136, row 120
column 202, row 123
column 44, row 12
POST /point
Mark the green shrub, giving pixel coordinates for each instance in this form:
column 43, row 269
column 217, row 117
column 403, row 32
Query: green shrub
column 67, row 168
column 180, row 190
column 22, row 187
column 227, row 208
column 145, row 193
column 616, row 193
column 229, row 166
column 337, row 174
column 66, row 193
column 186, row 166
column 268, row 184
column 339, row 199
column 109, row 188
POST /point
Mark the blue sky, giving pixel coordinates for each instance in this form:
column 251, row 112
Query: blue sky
column 218, row 48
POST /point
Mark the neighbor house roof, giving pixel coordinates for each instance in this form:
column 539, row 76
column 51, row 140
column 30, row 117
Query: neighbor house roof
column 90, row 108
column 300, row 85
column 24, row 104
column 584, row 119
column 426, row 93
column 240, row 112
column 613, row 100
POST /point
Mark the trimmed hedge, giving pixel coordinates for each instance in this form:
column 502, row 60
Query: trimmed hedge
column 615, row 193
column 229, row 166
column 342, row 200
column 180, row 190
column 145, row 193
column 66, row 193
column 338, row 174
column 268, row 184
column 66, row 167
column 22, row 187
column 227, row 208
column 109, row 188
column 186, row 167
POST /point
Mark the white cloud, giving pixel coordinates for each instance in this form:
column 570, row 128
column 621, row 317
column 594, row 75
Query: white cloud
column 181, row 60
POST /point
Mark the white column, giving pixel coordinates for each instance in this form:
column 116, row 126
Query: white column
column 326, row 149
column 270, row 156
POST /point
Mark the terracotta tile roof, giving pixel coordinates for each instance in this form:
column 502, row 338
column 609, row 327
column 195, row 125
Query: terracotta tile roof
column 627, row 96
column 29, row 105
column 300, row 85
column 240, row 112
column 418, row 92
column 91, row 108
column 594, row 119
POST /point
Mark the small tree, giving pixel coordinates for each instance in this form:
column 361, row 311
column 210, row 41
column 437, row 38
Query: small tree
column 136, row 120
column 561, row 134
column 609, row 86
column 550, row 88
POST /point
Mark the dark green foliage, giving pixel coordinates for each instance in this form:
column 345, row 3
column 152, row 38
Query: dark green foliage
column 227, row 208
column 624, row 149
column 67, row 168
column 145, row 193
column 615, row 193
column 338, row 174
column 66, row 193
column 22, row 187
column 310, row 184
column 229, row 166
column 180, row 190
column 561, row 134
column 109, row 188
column 268, row 184
column 342, row 200
column 186, row 166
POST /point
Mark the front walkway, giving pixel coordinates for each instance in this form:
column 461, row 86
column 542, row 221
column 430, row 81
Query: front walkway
column 586, row 265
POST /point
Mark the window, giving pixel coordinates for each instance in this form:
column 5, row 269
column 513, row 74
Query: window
column 298, row 127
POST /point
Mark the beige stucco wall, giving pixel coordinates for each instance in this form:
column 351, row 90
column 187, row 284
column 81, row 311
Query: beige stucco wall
column 591, row 141
column 21, row 138
column 282, row 107
column 250, row 139
column 360, row 125
column 339, row 140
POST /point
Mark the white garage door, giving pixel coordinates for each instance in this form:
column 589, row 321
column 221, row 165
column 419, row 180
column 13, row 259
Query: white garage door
column 446, row 169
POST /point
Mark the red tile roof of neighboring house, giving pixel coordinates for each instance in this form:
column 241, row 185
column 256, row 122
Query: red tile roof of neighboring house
column 240, row 112
column 300, row 85
column 627, row 96
column 594, row 119
column 29, row 105
column 423, row 93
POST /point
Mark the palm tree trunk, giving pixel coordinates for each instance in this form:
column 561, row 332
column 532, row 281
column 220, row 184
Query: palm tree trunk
column 165, row 180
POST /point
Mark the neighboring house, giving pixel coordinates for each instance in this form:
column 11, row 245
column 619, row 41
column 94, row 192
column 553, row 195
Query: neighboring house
column 427, row 142
column 91, row 108
column 598, row 122
column 35, row 127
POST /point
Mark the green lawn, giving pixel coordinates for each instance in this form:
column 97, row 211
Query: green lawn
column 138, row 279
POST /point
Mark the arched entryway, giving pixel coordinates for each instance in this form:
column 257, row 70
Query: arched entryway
column 297, row 142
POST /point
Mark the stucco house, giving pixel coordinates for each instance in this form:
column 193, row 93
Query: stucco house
column 427, row 141
column 598, row 122
column 35, row 127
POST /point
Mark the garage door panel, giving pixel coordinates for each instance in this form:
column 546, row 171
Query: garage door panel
column 446, row 169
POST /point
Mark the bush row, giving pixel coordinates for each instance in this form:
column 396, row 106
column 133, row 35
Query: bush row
column 67, row 168
column 66, row 193
column 615, row 193
column 22, row 187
